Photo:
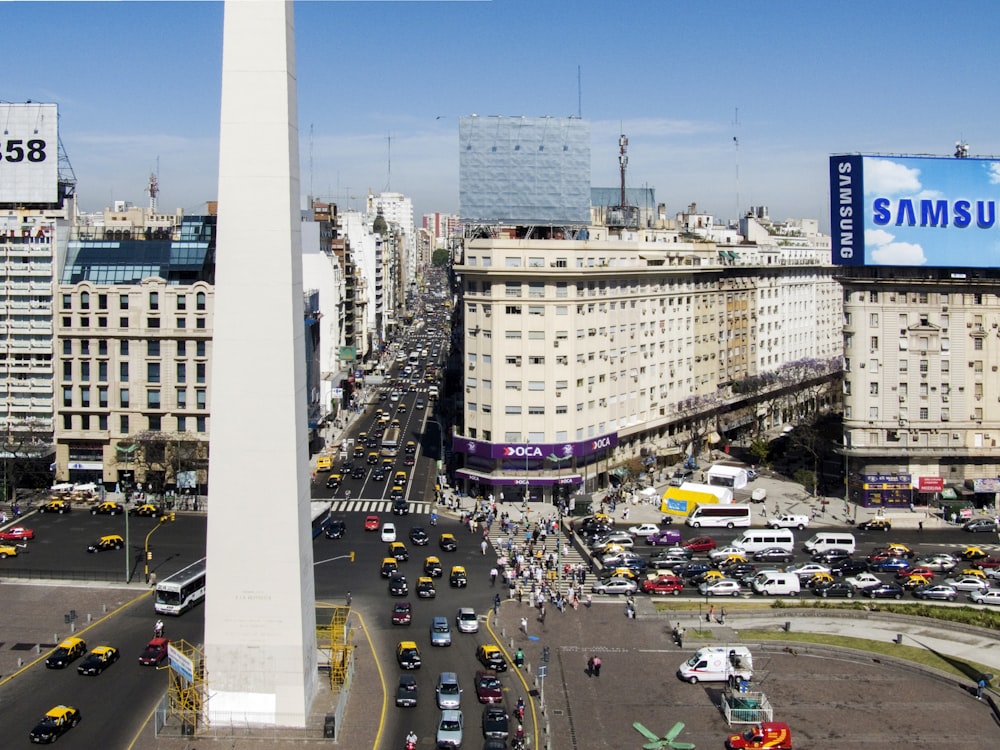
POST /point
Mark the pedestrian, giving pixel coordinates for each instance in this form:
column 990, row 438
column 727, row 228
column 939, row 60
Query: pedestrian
column 680, row 635
column 519, row 654
column 711, row 614
column 588, row 601
column 493, row 576
column 590, row 667
column 980, row 686
column 597, row 666
column 541, row 614
column 520, row 594
column 496, row 604
column 920, row 526
column 722, row 617
column 483, row 545
column 524, row 625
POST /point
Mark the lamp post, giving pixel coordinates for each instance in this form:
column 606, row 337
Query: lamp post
column 127, row 451
column 145, row 547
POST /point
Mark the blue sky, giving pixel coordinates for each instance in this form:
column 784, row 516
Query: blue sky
column 140, row 81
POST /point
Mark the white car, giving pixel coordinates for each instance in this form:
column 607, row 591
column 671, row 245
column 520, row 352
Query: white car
column 863, row 580
column 788, row 521
column 725, row 587
column 449, row 732
column 968, row 583
column 617, row 537
column 940, row 563
column 388, row 532
column 616, row 585
column 806, row 571
column 985, row 597
column 466, row 620
column 721, row 553
column 643, row 530
column 616, row 544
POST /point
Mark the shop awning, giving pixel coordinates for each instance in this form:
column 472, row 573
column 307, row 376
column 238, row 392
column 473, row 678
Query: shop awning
column 948, row 493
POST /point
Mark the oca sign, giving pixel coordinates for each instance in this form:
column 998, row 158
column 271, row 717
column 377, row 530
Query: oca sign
column 522, row 451
column 29, row 153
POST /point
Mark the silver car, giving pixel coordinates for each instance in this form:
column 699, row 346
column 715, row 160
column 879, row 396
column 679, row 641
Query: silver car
column 467, row 620
column 440, row 632
column 449, row 732
column 448, row 691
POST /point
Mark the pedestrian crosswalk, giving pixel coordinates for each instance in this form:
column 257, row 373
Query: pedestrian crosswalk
column 375, row 506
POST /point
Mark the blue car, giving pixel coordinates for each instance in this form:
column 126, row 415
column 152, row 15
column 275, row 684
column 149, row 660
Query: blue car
column 892, row 564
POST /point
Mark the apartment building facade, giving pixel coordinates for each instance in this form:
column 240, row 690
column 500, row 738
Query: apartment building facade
column 581, row 355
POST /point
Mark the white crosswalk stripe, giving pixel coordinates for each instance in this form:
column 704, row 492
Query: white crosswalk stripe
column 375, row 506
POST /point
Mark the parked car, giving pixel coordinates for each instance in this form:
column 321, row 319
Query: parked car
column 938, row 591
column 725, row 587
column 834, row 588
column 887, row 590
column 980, row 524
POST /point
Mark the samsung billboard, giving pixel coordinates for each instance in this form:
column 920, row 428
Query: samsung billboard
column 915, row 211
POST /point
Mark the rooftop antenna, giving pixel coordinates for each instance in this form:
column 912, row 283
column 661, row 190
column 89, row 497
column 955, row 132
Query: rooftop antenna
column 623, row 162
column 388, row 176
column 736, row 143
column 153, row 187
column 311, row 196
column 961, row 149
column 579, row 94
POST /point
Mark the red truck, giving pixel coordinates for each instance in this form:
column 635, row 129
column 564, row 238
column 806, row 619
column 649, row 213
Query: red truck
column 773, row 735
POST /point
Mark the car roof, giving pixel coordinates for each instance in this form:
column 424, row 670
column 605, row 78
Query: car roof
column 439, row 619
column 407, row 644
column 158, row 642
column 71, row 641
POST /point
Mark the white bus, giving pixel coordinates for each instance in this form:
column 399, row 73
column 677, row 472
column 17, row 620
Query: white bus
column 176, row 594
column 720, row 514
column 390, row 442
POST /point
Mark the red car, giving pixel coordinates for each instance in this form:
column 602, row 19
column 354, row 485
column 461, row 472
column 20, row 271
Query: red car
column 982, row 562
column 488, row 687
column 372, row 523
column 920, row 570
column 663, row 585
column 156, row 652
column 700, row 544
column 402, row 613
column 16, row 534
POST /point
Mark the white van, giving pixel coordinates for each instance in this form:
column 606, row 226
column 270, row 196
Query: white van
column 717, row 664
column 822, row 541
column 725, row 515
column 755, row 540
column 773, row 583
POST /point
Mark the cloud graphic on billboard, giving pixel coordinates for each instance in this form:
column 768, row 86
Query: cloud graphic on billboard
column 884, row 177
column 887, row 252
column 993, row 168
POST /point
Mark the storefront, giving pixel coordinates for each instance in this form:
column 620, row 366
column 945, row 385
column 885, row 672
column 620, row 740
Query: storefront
column 885, row 491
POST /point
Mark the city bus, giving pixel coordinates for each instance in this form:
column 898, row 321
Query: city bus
column 176, row 594
column 390, row 442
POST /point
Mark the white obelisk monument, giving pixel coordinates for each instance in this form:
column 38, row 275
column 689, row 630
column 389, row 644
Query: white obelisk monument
column 260, row 628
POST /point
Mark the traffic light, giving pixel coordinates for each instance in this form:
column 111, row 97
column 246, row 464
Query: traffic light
column 352, row 556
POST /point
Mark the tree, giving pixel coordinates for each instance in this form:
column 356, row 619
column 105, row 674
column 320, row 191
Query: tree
column 761, row 450
column 160, row 457
column 26, row 454
column 439, row 258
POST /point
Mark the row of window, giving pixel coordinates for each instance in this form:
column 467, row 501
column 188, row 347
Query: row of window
column 153, row 372
column 152, row 302
column 153, row 400
column 515, row 409
column 152, row 322
column 154, row 422
column 154, row 347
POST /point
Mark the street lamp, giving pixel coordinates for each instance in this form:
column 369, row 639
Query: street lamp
column 145, row 548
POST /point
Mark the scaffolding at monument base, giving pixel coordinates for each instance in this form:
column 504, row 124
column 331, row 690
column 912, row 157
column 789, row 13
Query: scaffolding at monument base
column 336, row 640
column 187, row 691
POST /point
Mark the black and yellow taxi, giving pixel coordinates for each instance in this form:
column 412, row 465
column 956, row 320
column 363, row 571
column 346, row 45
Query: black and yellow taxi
column 425, row 587
column 458, row 578
column 410, row 448
column 146, row 509
column 107, row 508
column 389, row 566
column 106, row 543
column 447, row 542
column 56, row 722
column 7, row 550
column 397, row 424
column 432, row 567
column 98, row 660
column 359, row 451
column 491, row 657
column 400, row 478
column 401, row 409
column 398, row 551
column 56, row 505
column 68, row 651
column 397, row 493
column 372, row 458
column 408, row 655
column 334, row 480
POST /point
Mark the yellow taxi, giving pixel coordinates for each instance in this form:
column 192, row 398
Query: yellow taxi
column 915, row 581
column 447, row 542
column 408, row 655
column 711, row 576
column 389, row 566
column 732, row 559
column 818, row 578
column 383, row 419
column 972, row 552
column 108, row 507
column 398, row 551
column 611, row 549
column 401, row 409
column 146, row 509
column 98, row 660
column 7, row 550
column 106, row 543
column 324, row 462
column 491, row 657
column 56, row 505
column 400, row 478
column 899, row 550
column 622, row 573
column 432, row 567
column 425, row 587
column 56, row 722
column 67, row 651
column 977, row 572
column 459, row 578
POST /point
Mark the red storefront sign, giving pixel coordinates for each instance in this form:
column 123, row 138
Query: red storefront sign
column 930, row 484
